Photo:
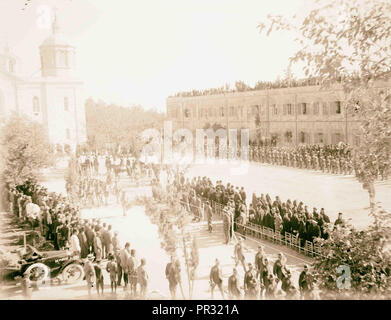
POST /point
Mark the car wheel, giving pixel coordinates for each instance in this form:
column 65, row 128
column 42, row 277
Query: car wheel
column 73, row 273
column 38, row 272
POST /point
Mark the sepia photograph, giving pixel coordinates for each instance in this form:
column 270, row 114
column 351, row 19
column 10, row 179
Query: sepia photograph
column 220, row 151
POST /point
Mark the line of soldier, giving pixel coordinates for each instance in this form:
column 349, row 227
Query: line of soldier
column 330, row 158
column 263, row 280
column 334, row 159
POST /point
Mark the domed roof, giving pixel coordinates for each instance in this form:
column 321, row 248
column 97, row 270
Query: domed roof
column 55, row 40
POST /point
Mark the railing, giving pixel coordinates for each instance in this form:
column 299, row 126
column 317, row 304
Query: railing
column 288, row 239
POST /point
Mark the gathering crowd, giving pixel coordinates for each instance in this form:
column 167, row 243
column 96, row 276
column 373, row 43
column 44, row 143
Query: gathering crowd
column 92, row 189
column 240, row 86
column 263, row 279
column 58, row 219
column 201, row 197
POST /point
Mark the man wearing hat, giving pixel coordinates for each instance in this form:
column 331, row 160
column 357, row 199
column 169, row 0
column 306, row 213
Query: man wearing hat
column 250, row 283
column 173, row 276
column 142, row 278
column 305, row 283
column 239, row 256
column 233, row 285
column 208, row 214
column 259, row 261
column 216, row 278
column 99, row 277
column 89, row 272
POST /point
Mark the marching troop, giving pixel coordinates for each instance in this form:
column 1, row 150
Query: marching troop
column 334, row 159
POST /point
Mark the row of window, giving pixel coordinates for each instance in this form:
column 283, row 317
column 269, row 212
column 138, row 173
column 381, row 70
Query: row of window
column 287, row 109
column 305, row 137
column 37, row 107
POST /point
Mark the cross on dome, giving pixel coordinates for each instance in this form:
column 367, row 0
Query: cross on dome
column 55, row 24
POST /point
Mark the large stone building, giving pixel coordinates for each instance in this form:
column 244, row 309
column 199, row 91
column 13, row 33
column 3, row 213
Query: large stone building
column 291, row 116
column 55, row 98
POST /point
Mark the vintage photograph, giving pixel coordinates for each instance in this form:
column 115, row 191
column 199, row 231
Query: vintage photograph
column 195, row 150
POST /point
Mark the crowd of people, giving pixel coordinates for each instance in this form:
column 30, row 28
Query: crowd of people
column 201, row 197
column 240, row 86
column 98, row 177
column 329, row 158
column 55, row 218
column 113, row 163
column 263, row 279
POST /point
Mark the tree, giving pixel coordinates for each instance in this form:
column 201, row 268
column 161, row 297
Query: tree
column 241, row 86
column 366, row 254
column 109, row 125
column 348, row 43
column 25, row 149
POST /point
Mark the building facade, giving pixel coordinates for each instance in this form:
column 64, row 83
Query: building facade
column 290, row 116
column 55, row 98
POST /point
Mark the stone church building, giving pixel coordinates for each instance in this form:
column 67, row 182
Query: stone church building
column 55, row 98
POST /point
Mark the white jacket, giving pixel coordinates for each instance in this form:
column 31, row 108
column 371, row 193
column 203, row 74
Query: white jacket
column 74, row 243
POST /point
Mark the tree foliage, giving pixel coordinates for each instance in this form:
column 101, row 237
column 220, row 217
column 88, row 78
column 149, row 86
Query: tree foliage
column 365, row 252
column 348, row 42
column 25, row 149
column 110, row 125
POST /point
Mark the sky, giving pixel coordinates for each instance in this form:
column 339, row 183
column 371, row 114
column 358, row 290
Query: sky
column 140, row 52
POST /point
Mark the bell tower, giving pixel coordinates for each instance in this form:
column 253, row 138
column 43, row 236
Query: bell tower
column 57, row 56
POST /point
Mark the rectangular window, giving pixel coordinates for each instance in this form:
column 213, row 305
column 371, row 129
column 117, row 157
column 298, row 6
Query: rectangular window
column 319, row 137
column 288, row 136
column 222, row 111
column 316, row 107
column 274, row 109
column 302, row 137
column 337, row 105
column 303, row 108
column 289, row 106
column 336, row 138
column 325, row 108
column 68, row 134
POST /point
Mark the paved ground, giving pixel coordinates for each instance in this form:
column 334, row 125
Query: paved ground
column 335, row 193
column 138, row 230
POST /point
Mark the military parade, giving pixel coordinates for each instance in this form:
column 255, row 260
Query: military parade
column 154, row 172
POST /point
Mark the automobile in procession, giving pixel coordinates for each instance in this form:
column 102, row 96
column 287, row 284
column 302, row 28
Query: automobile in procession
column 41, row 266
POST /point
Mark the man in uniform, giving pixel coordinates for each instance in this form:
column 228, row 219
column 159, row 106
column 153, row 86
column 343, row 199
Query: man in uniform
column 250, row 283
column 216, row 279
column 305, row 283
column 173, row 276
column 233, row 286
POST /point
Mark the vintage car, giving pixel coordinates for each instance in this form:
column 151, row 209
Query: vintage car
column 43, row 266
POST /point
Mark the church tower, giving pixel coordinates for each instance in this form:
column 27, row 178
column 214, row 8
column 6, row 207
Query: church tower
column 57, row 56
column 8, row 61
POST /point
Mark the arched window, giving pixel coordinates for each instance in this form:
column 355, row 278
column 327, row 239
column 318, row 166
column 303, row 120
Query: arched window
column 66, row 104
column 36, row 108
column 11, row 66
